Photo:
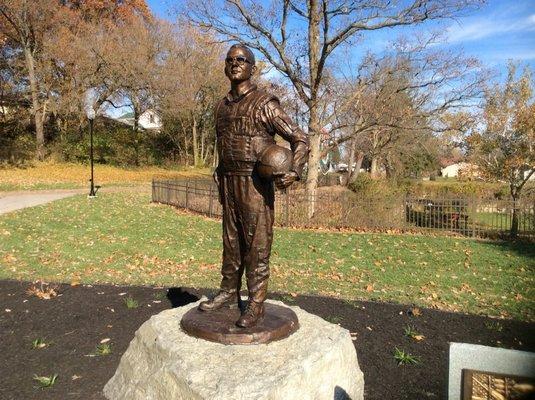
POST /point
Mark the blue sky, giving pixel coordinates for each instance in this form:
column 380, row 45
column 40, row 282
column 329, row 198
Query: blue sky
column 501, row 30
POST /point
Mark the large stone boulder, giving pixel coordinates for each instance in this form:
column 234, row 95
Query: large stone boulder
column 318, row 362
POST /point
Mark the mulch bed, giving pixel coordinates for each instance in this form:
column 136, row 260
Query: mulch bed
column 81, row 316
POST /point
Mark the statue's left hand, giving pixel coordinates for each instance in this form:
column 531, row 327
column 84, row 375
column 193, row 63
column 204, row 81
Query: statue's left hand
column 283, row 180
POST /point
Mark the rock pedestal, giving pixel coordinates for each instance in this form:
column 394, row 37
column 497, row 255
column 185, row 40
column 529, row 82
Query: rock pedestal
column 318, row 362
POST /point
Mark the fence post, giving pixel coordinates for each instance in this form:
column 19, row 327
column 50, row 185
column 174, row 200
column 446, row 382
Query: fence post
column 167, row 193
column 287, row 207
column 211, row 200
column 474, row 219
column 187, row 194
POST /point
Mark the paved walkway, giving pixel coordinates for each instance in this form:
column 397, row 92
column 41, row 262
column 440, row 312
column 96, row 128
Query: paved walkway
column 11, row 201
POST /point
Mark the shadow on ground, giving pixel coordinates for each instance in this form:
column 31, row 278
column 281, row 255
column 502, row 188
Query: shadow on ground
column 76, row 322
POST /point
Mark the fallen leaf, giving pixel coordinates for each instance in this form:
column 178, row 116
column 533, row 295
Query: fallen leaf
column 415, row 311
column 418, row 337
column 105, row 340
column 369, row 288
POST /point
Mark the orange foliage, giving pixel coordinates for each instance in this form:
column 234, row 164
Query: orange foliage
column 117, row 11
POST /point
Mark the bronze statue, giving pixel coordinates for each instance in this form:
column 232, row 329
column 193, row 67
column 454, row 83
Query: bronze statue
column 247, row 119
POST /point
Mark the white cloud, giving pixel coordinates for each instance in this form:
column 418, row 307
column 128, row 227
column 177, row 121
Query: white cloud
column 486, row 27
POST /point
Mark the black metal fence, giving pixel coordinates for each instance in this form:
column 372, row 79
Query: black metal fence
column 335, row 207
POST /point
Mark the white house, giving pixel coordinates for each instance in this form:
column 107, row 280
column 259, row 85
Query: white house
column 454, row 170
column 149, row 120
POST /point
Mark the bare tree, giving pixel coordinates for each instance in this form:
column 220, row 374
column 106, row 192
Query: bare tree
column 299, row 38
column 505, row 148
column 191, row 88
column 401, row 97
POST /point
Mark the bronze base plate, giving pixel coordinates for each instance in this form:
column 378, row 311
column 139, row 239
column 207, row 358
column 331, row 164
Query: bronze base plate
column 219, row 326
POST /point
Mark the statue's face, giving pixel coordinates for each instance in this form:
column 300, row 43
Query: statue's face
column 237, row 65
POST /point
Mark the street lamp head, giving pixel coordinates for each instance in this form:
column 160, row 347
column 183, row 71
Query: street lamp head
column 90, row 112
column 88, row 105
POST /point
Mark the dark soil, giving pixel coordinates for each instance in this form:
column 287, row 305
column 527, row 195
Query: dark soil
column 77, row 320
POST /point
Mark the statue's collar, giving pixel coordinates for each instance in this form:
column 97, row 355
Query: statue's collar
column 230, row 99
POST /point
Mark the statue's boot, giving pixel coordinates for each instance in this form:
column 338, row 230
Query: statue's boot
column 252, row 314
column 221, row 300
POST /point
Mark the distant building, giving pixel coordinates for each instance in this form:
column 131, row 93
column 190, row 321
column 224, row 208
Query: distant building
column 149, row 120
column 461, row 169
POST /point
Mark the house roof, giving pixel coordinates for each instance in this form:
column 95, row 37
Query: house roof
column 127, row 115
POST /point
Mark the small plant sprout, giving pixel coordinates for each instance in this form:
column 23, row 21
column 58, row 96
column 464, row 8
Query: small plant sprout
column 160, row 295
column 45, row 381
column 412, row 333
column 494, row 326
column 103, row 349
column 39, row 343
column 404, row 358
column 131, row 302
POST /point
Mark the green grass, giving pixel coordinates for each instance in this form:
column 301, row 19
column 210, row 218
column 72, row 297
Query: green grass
column 45, row 381
column 131, row 302
column 404, row 358
column 103, row 349
column 122, row 238
column 496, row 220
column 411, row 332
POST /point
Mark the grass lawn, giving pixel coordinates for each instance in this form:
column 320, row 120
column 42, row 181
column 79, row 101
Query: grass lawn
column 122, row 238
column 498, row 220
column 71, row 176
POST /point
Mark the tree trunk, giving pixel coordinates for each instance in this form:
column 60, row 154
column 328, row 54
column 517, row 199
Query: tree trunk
column 374, row 169
column 186, row 143
column 514, row 222
column 313, row 165
column 350, row 162
column 37, row 111
column 313, row 122
column 358, row 166
column 136, row 136
column 195, row 142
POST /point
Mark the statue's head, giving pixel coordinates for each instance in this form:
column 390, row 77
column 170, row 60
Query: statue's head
column 239, row 63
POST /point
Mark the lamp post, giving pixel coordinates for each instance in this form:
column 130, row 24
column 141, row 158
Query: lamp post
column 90, row 112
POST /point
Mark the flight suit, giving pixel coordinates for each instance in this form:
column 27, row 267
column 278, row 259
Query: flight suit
column 245, row 127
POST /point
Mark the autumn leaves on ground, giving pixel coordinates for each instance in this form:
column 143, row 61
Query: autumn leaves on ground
column 49, row 175
column 124, row 238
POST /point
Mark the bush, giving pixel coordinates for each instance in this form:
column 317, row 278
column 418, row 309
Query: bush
column 17, row 147
column 367, row 187
column 119, row 146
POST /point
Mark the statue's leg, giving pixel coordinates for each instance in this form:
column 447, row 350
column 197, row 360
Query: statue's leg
column 256, row 205
column 232, row 268
column 256, row 201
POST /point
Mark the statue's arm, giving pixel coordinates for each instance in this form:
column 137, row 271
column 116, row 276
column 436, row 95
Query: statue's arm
column 280, row 123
